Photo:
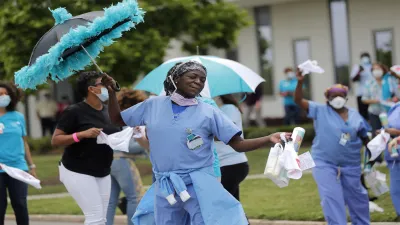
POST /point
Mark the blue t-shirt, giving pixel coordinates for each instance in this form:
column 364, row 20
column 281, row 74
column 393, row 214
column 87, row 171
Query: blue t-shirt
column 12, row 149
column 288, row 86
column 329, row 128
column 168, row 134
column 389, row 88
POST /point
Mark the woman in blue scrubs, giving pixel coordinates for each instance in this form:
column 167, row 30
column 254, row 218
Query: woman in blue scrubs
column 340, row 135
column 393, row 163
column 181, row 130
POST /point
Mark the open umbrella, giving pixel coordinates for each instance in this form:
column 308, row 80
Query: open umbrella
column 224, row 76
column 74, row 42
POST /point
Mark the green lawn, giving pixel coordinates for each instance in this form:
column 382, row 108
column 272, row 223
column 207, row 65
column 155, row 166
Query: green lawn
column 261, row 198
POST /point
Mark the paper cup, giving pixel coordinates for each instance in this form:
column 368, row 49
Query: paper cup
column 297, row 137
column 384, row 120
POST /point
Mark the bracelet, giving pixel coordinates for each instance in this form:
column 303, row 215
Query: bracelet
column 75, row 137
column 33, row 166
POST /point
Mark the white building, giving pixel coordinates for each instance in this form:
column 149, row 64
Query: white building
column 333, row 32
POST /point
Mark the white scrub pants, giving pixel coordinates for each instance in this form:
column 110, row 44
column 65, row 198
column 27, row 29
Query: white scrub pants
column 92, row 194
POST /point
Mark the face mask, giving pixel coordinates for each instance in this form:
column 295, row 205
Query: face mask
column 103, row 96
column 290, row 75
column 5, row 100
column 338, row 102
column 179, row 99
column 365, row 60
column 377, row 73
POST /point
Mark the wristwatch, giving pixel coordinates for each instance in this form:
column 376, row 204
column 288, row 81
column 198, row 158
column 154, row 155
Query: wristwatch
column 33, row 166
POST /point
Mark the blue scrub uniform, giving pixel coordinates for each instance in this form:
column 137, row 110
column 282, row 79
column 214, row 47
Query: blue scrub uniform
column 336, row 152
column 173, row 162
column 393, row 164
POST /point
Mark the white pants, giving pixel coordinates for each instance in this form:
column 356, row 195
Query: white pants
column 90, row 193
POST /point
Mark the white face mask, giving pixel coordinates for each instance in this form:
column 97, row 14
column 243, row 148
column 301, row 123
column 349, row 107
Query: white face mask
column 5, row 100
column 290, row 75
column 365, row 60
column 377, row 73
column 103, row 96
column 338, row 102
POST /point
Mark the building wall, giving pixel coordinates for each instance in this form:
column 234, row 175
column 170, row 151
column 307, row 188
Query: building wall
column 308, row 19
column 366, row 16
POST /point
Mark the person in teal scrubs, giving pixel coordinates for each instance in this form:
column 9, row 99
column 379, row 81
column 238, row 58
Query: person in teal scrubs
column 340, row 135
column 181, row 130
column 14, row 152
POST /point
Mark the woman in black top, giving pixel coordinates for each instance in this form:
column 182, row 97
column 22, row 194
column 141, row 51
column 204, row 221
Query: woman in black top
column 85, row 165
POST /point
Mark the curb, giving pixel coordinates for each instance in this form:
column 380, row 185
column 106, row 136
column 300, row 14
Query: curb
column 121, row 220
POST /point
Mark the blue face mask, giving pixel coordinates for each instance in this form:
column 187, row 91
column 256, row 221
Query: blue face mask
column 103, row 96
column 5, row 100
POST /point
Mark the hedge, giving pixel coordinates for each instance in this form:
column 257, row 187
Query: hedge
column 40, row 145
column 256, row 132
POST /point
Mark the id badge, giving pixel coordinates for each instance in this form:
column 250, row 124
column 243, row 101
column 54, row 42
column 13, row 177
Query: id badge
column 344, row 138
column 194, row 141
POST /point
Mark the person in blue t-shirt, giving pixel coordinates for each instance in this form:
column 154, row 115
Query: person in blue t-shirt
column 14, row 152
column 286, row 90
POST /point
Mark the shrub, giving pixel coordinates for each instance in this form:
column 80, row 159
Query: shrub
column 256, row 132
column 40, row 145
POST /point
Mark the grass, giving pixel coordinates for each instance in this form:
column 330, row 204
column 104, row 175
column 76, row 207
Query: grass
column 261, row 198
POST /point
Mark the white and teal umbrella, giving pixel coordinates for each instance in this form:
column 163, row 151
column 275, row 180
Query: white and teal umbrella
column 224, row 76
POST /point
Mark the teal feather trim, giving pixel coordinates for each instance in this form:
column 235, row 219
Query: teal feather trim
column 52, row 64
column 60, row 15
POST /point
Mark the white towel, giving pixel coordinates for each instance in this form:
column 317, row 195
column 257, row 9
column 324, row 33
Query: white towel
column 310, row 67
column 21, row 176
column 117, row 141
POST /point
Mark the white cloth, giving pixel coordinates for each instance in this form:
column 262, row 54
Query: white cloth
column 92, row 194
column 310, row 67
column 226, row 154
column 378, row 144
column 21, row 176
column 375, row 208
column 117, row 141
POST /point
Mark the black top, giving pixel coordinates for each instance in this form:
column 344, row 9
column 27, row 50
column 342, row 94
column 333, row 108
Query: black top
column 252, row 98
column 86, row 156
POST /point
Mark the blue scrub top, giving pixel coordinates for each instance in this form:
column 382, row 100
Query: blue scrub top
column 168, row 135
column 288, row 86
column 389, row 88
column 12, row 149
column 329, row 127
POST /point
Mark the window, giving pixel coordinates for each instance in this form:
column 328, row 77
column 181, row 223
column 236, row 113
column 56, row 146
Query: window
column 340, row 40
column 264, row 39
column 302, row 53
column 384, row 46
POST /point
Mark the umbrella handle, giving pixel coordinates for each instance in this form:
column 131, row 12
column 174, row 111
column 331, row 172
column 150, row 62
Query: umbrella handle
column 116, row 87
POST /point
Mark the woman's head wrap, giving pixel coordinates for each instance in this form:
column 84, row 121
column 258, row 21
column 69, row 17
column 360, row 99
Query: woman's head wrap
column 178, row 70
column 337, row 88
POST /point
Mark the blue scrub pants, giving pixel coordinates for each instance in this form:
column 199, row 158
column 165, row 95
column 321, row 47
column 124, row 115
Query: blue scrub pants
column 339, row 187
column 394, row 170
column 182, row 213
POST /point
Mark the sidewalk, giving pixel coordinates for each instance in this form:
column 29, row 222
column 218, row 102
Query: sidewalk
column 121, row 220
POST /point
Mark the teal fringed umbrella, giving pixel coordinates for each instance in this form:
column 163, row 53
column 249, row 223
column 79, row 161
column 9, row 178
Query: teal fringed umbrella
column 74, row 42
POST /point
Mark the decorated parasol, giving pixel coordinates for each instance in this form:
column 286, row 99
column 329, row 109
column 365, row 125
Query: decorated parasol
column 74, row 42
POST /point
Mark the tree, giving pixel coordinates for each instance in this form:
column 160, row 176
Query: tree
column 201, row 23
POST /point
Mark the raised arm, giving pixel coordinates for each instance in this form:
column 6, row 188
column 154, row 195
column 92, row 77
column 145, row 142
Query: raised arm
column 298, row 93
column 113, row 107
column 246, row 145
